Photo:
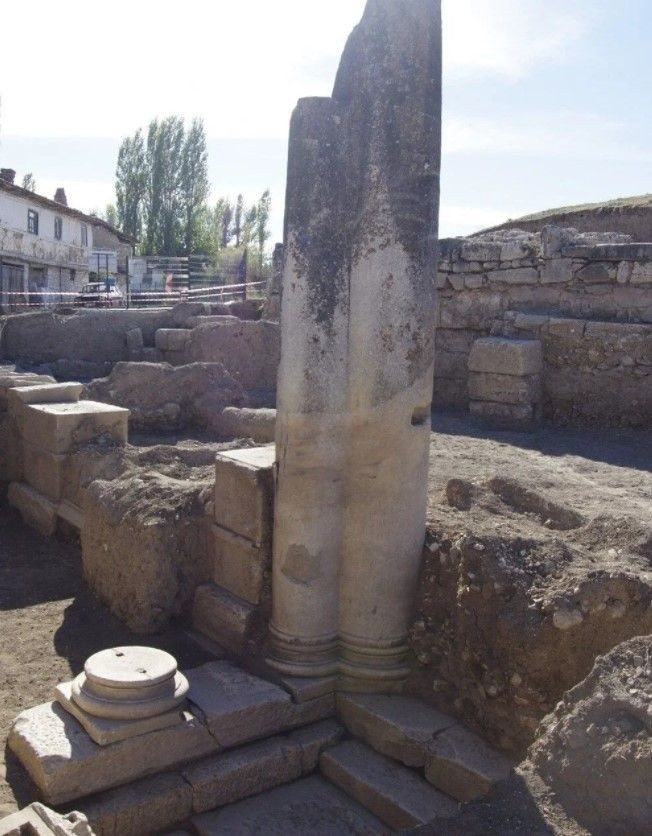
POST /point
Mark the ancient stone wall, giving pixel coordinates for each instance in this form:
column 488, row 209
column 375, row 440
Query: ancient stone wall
column 587, row 296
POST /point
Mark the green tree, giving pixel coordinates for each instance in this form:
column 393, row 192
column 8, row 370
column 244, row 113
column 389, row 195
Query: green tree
column 237, row 221
column 263, row 210
column 248, row 226
column 227, row 218
column 131, row 185
column 194, row 184
column 29, row 182
column 110, row 215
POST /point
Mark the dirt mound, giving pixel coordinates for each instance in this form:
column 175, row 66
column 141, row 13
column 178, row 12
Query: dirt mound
column 166, row 398
column 523, row 587
column 594, row 752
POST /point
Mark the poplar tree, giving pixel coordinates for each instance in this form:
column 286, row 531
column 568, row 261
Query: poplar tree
column 194, row 184
column 237, row 221
column 263, row 210
column 131, row 185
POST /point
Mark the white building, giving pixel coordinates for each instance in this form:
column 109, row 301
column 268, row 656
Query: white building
column 45, row 247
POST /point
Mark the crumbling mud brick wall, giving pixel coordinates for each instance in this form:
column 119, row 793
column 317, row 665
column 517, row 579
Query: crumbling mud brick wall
column 603, row 281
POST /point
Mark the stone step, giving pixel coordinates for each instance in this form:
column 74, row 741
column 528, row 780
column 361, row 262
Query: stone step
column 226, row 708
column 155, row 804
column 456, row 760
column 238, row 707
column 307, row 806
column 244, row 492
column 224, row 618
column 398, row 796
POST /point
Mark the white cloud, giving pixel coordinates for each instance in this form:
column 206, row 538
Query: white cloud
column 509, row 37
column 560, row 134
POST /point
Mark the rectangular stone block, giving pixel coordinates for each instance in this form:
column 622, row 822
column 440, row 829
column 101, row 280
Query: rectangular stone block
column 44, row 471
column 505, row 388
column 226, row 619
column 239, row 565
column 397, row 795
column 309, row 688
column 642, row 273
column 557, row 271
column 65, row 764
column 240, row 773
column 12, row 380
column 171, row 339
column 498, row 355
column 152, row 805
column 244, row 492
column 504, row 416
column 58, row 427
column 399, row 727
column 236, row 706
column 45, row 393
column 462, row 765
column 36, row 510
column 517, row 275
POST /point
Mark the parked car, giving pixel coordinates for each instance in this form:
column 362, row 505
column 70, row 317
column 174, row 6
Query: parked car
column 99, row 295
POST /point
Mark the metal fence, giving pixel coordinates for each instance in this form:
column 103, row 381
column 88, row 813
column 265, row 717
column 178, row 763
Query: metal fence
column 13, row 301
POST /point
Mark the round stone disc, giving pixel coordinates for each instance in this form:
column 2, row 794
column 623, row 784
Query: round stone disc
column 130, row 667
column 128, row 709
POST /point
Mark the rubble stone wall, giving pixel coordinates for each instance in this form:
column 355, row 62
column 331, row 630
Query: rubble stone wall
column 587, row 296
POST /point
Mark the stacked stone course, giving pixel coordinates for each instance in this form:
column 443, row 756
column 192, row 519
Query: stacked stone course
column 588, row 297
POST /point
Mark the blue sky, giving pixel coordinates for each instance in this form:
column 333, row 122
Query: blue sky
column 546, row 102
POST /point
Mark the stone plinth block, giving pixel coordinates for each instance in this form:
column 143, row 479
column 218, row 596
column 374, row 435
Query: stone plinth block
column 66, row 764
column 38, row 820
column 105, row 731
column 224, row 618
column 239, row 565
column 249, row 770
column 397, row 795
column 498, row 355
column 57, row 427
column 36, row 510
column 505, row 388
column 43, row 470
column 244, row 492
column 237, row 706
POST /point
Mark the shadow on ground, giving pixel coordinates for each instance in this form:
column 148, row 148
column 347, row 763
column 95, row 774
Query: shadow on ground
column 631, row 448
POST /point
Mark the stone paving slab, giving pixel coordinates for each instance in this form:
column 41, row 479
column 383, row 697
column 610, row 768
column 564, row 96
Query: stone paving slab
column 399, row 727
column 397, row 795
column 308, row 806
column 236, row 706
column 313, row 740
column 66, row 764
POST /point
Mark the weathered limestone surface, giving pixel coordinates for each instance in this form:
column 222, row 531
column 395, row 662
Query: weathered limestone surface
column 249, row 770
column 65, row 764
column 37, row 510
column 238, row 565
column 244, row 492
column 399, row 727
column 228, row 620
column 397, row 795
column 39, row 820
column 310, row 805
column 146, row 806
column 355, row 381
column 56, row 427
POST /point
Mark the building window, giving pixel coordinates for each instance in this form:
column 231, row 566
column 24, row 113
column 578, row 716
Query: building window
column 32, row 221
column 58, row 229
column 84, row 235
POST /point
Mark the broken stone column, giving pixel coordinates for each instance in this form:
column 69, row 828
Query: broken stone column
column 356, row 373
